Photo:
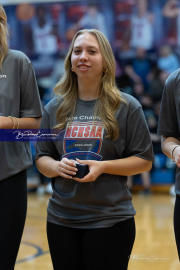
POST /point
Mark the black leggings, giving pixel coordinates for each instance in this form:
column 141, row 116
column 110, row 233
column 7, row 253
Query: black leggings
column 177, row 223
column 13, row 207
column 91, row 249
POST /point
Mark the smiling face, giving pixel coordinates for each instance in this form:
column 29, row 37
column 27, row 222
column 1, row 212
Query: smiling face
column 86, row 58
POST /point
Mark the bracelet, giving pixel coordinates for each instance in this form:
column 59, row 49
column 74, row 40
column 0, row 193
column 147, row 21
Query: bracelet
column 173, row 160
column 17, row 122
column 12, row 121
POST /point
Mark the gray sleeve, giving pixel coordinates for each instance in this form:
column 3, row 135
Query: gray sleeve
column 168, row 122
column 30, row 104
column 138, row 140
column 46, row 147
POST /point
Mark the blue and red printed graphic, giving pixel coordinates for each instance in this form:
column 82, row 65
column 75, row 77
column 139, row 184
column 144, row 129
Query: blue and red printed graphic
column 83, row 140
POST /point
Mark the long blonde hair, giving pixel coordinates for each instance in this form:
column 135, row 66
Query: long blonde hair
column 110, row 97
column 3, row 35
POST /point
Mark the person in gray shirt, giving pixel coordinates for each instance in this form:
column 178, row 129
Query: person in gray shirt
column 169, row 128
column 90, row 223
column 20, row 108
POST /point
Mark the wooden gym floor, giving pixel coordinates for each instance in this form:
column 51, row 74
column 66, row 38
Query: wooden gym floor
column 154, row 246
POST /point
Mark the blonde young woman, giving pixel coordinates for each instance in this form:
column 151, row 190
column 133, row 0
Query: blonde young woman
column 90, row 223
column 19, row 108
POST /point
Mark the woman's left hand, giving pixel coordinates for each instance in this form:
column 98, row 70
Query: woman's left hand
column 96, row 168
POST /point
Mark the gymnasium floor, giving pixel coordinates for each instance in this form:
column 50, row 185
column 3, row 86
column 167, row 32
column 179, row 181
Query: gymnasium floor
column 154, row 246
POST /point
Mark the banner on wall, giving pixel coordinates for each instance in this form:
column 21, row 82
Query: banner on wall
column 44, row 29
column 16, row 2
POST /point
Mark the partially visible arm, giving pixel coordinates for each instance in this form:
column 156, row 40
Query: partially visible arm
column 155, row 137
column 52, row 168
column 151, row 18
column 24, row 123
column 170, row 10
column 46, row 165
column 167, row 144
column 132, row 74
column 126, row 167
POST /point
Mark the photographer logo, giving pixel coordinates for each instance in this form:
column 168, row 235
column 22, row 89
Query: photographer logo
column 2, row 76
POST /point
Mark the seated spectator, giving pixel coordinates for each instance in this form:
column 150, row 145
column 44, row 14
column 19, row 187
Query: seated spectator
column 139, row 67
column 138, row 91
column 167, row 61
column 156, row 84
column 152, row 121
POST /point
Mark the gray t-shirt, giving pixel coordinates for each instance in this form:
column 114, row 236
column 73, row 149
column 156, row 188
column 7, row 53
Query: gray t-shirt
column 105, row 201
column 19, row 97
column 169, row 119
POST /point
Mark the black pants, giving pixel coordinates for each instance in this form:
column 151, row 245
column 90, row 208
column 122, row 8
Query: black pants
column 91, row 249
column 177, row 223
column 13, row 207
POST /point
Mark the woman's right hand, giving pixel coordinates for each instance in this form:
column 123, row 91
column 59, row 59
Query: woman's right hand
column 65, row 168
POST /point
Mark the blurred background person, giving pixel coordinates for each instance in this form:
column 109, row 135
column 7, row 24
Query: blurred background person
column 41, row 35
column 139, row 67
column 167, row 60
column 45, row 35
column 142, row 26
column 171, row 10
column 93, row 19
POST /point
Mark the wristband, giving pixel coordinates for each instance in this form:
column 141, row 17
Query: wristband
column 173, row 160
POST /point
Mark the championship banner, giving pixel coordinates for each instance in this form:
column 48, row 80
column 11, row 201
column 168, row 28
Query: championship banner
column 43, row 30
column 16, row 2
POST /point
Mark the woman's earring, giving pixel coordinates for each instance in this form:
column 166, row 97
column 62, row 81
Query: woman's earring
column 72, row 69
column 104, row 70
